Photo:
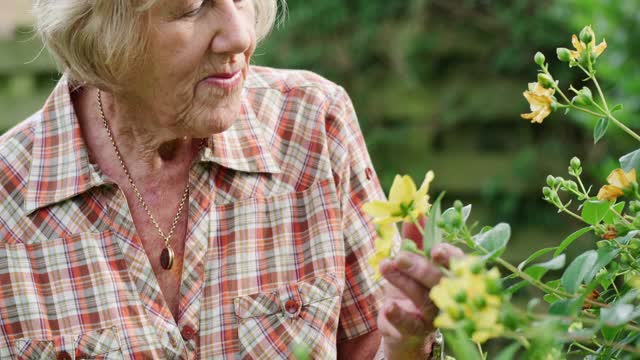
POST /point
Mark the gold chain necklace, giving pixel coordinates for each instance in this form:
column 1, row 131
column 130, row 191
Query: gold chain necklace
column 167, row 254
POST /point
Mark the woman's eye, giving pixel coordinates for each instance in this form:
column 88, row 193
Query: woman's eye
column 195, row 11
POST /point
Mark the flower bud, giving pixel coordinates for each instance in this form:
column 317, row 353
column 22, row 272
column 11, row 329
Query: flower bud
column 575, row 163
column 458, row 205
column 564, row 54
column 554, row 104
column 455, row 312
column 586, row 35
column 494, row 286
column 557, row 181
column 546, row 191
column 539, row 58
column 584, row 97
column 570, row 185
column 460, row 297
column 546, row 81
column 468, row 326
column 477, row 268
column 634, row 206
column 480, row 302
column 550, row 180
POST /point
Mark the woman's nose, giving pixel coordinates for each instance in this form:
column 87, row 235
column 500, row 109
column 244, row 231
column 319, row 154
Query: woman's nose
column 234, row 30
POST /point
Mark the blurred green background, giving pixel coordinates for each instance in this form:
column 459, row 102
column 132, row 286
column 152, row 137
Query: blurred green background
column 437, row 85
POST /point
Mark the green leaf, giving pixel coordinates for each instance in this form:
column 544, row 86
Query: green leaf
column 565, row 307
column 618, row 314
column 494, row 241
column 537, row 271
column 410, row 246
column 600, row 129
column 604, row 256
column 593, row 211
column 432, row 233
column 630, row 161
column 534, row 256
column 616, row 108
column 576, row 272
column 466, row 211
column 570, row 239
column 448, row 214
column 609, row 333
column 610, row 217
column 460, row 345
column 624, row 240
column 550, row 298
column 553, row 264
column 509, row 352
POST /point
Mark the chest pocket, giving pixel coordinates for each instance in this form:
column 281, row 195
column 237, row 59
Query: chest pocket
column 99, row 344
column 296, row 318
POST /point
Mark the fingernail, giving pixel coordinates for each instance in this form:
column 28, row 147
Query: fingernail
column 391, row 309
column 386, row 265
column 403, row 262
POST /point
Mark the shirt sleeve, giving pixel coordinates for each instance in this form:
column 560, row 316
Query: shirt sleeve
column 357, row 184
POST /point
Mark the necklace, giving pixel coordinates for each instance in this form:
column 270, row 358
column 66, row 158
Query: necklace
column 167, row 254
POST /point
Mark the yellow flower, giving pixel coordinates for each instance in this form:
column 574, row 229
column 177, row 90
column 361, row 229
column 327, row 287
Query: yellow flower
column 581, row 47
column 540, row 101
column 465, row 298
column 618, row 183
column 383, row 246
column 405, row 202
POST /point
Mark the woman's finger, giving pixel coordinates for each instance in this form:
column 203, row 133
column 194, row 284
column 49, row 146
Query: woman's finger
column 408, row 324
column 442, row 253
column 406, row 286
column 418, row 268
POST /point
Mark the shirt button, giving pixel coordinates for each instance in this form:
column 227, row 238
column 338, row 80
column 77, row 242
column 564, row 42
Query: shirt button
column 188, row 333
column 291, row 306
column 368, row 173
column 63, row 355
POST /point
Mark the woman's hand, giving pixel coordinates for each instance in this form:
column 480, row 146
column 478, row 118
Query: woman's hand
column 406, row 318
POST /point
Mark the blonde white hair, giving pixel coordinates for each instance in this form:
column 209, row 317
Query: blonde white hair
column 98, row 41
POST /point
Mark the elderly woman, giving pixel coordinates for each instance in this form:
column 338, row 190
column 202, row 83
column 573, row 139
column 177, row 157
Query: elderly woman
column 172, row 201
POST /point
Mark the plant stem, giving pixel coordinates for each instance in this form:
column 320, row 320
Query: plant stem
column 577, row 344
column 585, row 110
column 514, row 270
column 417, row 224
column 623, row 127
column 578, row 217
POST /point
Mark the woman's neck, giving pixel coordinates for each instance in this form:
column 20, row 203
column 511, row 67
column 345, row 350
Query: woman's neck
column 146, row 148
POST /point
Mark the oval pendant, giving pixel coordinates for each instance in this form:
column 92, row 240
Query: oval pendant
column 166, row 258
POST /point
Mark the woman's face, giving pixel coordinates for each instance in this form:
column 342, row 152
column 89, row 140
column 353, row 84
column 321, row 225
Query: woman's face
column 196, row 64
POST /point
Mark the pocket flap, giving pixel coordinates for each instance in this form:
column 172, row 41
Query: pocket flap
column 98, row 342
column 305, row 292
column 85, row 345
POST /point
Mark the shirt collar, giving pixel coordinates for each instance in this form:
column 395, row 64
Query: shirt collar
column 60, row 168
column 244, row 146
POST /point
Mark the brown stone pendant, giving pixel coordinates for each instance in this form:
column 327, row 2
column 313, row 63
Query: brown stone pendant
column 166, row 258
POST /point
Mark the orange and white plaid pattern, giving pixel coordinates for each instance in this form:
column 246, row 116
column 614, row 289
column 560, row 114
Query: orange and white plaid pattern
column 276, row 252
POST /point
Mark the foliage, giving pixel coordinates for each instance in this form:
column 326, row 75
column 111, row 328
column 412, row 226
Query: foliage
column 593, row 304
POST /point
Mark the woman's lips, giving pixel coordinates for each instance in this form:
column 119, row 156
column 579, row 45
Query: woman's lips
column 224, row 81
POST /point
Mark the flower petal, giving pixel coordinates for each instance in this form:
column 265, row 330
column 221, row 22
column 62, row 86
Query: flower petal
column 378, row 209
column 424, row 187
column 403, row 190
column 609, row 192
column 577, row 43
column 387, row 231
column 619, row 179
column 600, row 48
column 631, row 175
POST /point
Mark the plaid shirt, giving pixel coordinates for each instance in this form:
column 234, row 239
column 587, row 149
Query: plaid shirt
column 276, row 250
